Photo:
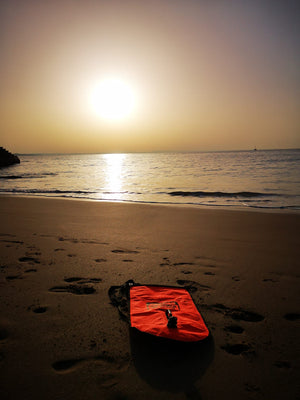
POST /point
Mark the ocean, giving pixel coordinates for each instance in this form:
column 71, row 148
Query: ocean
column 267, row 179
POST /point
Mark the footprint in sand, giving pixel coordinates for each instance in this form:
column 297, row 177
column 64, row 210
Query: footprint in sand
column 206, row 261
column 99, row 260
column 250, row 387
column 12, row 241
column 292, row 316
column 243, row 315
column 13, row 277
column 183, row 263
column 203, row 258
column 73, row 279
column 282, row 364
column 192, row 286
column 91, row 280
column 40, row 310
column 237, row 313
column 62, row 239
column 29, row 260
column 82, row 280
column 81, row 287
column 234, row 329
column 87, row 241
column 3, row 333
column 108, row 368
column 165, row 262
column 74, row 289
column 66, row 365
column 34, row 251
column 122, row 251
column 236, row 349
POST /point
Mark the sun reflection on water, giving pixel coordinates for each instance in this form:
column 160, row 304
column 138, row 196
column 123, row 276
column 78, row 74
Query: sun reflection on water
column 114, row 174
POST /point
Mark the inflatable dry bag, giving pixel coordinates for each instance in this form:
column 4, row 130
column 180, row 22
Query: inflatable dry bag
column 162, row 311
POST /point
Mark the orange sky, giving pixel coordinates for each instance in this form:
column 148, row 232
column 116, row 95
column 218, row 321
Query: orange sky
column 209, row 75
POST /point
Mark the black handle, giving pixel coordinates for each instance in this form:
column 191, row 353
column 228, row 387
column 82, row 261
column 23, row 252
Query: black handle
column 172, row 321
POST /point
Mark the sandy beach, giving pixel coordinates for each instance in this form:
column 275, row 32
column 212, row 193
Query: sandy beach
column 60, row 338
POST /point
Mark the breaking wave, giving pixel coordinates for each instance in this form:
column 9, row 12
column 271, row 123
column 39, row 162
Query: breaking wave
column 41, row 191
column 222, row 194
column 29, row 176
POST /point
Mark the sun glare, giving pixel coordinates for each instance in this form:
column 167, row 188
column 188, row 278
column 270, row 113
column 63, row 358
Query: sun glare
column 114, row 173
column 113, row 99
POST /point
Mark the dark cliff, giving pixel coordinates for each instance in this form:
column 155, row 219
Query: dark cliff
column 7, row 158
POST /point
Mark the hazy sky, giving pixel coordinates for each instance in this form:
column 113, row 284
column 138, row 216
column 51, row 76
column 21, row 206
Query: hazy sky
column 206, row 74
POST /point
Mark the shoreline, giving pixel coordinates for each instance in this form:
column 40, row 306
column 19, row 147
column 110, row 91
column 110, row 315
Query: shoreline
column 275, row 210
column 60, row 336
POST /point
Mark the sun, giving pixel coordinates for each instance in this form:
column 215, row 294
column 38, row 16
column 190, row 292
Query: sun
column 113, row 99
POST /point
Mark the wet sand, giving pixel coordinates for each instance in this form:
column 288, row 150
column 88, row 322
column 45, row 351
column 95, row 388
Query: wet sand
column 60, row 338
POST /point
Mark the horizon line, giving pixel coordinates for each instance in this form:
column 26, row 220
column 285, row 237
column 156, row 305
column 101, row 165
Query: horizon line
column 160, row 151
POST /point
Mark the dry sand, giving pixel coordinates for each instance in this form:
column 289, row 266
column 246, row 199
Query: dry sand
column 60, row 338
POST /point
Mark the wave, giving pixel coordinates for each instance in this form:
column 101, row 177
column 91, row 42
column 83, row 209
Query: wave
column 123, row 192
column 90, row 195
column 63, row 192
column 41, row 191
column 221, row 194
column 28, row 176
column 11, row 177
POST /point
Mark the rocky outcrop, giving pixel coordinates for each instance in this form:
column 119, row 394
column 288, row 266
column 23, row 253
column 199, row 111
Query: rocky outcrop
column 7, row 158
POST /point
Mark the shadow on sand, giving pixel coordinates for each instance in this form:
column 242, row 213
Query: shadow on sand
column 171, row 366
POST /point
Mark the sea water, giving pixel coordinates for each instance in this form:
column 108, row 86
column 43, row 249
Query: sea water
column 257, row 179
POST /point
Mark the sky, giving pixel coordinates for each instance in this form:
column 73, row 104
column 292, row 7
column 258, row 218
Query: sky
column 204, row 75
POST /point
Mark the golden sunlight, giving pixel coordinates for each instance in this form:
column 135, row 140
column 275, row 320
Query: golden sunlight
column 113, row 170
column 113, row 99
